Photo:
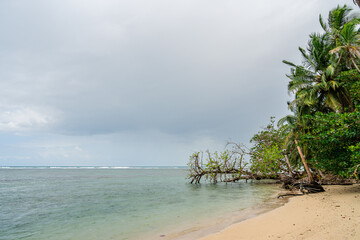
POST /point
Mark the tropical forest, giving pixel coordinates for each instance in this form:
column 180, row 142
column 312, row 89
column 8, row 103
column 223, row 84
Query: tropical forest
column 319, row 142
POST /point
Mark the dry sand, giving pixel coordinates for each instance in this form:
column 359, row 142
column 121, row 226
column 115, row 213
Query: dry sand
column 332, row 215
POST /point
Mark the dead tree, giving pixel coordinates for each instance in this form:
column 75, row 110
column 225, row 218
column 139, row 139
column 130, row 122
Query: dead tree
column 228, row 166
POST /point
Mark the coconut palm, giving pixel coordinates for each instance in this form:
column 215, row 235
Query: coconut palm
column 314, row 82
column 317, row 83
column 343, row 32
column 337, row 18
column 293, row 126
column 348, row 45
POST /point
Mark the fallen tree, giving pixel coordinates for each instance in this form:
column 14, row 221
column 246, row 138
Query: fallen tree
column 228, row 166
column 232, row 165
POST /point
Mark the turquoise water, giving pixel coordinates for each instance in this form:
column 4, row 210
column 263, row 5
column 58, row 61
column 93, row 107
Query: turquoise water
column 65, row 203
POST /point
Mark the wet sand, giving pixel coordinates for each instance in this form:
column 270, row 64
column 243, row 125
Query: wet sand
column 334, row 214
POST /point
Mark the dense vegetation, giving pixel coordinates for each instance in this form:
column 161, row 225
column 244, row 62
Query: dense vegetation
column 322, row 136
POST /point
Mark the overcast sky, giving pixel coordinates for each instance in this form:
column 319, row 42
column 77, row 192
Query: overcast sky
column 143, row 82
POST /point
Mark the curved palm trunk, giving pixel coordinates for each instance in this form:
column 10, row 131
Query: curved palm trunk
column 311, row 179
column 355, row 65
column 289, row 166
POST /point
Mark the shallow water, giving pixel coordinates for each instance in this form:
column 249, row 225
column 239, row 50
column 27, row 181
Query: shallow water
column 63, row 203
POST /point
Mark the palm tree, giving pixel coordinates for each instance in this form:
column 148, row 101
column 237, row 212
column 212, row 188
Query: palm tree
column 292, row 124
column 336, row 19
column 314, row 82
column 348, row 46
column 343, row 32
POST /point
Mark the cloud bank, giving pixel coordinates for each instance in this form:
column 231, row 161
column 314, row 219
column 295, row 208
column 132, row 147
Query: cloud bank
column 142, row 82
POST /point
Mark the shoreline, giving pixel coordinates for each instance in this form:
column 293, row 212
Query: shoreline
column 333, row 214
column 218, row 223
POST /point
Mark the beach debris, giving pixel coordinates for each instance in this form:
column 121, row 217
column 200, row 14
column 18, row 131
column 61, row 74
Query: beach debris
column 304, row 188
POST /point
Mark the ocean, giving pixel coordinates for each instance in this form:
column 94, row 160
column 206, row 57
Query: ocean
column 104, row 203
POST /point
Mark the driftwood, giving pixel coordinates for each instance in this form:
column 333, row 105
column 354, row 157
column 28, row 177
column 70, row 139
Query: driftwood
column 304, row 188
column 230, row 176
column 309, row 187
column 289, row 194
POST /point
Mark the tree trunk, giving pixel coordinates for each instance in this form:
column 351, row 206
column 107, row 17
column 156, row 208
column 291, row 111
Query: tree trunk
column 357, row 68
column 289, row 166
column 311, row 179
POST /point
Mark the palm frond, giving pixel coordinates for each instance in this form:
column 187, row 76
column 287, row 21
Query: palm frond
column 336, row 50
column 323, row 24
column 333, row 102
column 289, row 63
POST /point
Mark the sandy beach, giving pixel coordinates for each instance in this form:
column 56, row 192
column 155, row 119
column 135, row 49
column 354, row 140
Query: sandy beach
column 334, row 214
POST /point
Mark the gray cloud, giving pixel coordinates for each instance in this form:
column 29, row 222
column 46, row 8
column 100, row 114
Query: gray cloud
column 173, row 71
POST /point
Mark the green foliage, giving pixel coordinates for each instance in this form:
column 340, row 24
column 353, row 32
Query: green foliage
column 268, row 160
column 316, row 82
column 351, row 81
column 355, row 160
column 334, row 142
column 327, row 96
column 326, row 109
column 266, row 156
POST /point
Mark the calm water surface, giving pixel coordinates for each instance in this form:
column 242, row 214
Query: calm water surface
column 113, row 203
